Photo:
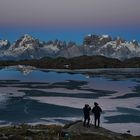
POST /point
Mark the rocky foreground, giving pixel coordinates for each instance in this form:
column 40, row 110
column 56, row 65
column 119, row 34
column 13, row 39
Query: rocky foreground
column 73, row 131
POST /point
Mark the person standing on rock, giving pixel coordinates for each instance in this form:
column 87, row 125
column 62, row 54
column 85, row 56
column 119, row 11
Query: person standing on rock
column 97, row 112
column 86, row 111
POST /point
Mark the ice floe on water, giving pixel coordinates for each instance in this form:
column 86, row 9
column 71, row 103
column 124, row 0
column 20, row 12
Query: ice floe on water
column 64, row 90
column 36, row 91
column 134, row 128
column 106, row 104
column 11, row 91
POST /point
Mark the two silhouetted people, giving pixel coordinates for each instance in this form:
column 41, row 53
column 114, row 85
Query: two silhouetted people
column 96, row 110
column 97, row 113
column 86, row 111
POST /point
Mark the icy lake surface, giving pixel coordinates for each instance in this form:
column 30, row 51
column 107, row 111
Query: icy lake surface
column 37, row 96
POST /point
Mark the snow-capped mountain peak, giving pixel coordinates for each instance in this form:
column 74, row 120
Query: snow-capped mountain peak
column 28, row 47
column 26, row 41
column 4, row 44
column 105, row 36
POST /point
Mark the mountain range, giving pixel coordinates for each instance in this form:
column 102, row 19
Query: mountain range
column 28, row 47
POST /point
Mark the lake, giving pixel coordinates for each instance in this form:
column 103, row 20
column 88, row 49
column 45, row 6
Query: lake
column 39, row 96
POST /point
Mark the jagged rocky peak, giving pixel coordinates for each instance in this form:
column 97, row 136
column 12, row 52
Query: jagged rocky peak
column 4, row 44
column 96, row 40
column 91, row 39
column 119, row 40
column 27, row 36
column 104, row 39
column 60, row 44
column 26, row 41
column 135, row 43
column 71, row 44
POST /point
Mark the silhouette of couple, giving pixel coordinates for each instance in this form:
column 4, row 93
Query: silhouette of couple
column 96, row 110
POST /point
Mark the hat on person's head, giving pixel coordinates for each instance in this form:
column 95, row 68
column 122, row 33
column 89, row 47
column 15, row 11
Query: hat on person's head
column 86, row 105
column 95, row 103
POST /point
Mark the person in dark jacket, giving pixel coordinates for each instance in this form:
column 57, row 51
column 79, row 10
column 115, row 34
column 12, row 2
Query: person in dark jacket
column 86, row 111
column 97, row 112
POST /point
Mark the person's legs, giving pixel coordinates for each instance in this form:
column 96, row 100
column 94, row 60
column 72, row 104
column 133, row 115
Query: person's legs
column 84, row 123
column 98, row 121
column 88, row 121
column 95, row 120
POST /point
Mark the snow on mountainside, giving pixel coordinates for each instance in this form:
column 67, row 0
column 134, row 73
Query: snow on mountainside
column 114, row 48
column 28, row 47
column 4, row 44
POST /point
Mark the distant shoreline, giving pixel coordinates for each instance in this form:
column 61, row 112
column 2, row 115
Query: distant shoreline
column 81, row 62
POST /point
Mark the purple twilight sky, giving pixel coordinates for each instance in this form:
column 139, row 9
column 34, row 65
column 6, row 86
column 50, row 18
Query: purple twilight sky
column 70, row 15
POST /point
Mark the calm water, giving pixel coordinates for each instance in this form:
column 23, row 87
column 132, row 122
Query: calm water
column 46, row 96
